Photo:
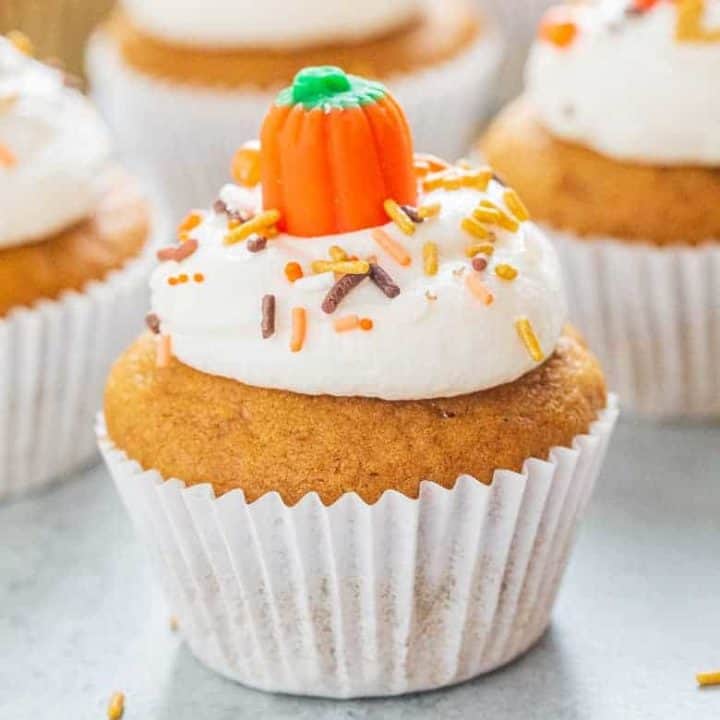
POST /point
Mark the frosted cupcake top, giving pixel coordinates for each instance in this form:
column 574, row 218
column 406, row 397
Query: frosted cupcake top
column 269, row 23
column 53, row 147
column 631, row 78
column 343, row 264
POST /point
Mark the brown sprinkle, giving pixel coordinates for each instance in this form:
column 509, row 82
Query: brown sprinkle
column 381, row 278
column 256, row 243
column 268, row 316
column 412, row 213
column 479, row 263
column 339, row 291
column 153, row 323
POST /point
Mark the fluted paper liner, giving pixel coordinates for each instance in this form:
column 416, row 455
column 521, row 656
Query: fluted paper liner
column 183, row 137
column 652, row 315
column 54, row 360
column 354, row 599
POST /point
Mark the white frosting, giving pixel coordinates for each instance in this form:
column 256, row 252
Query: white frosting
column 628, row 89
column 268, row 23
column 59, row 145
column 420, row 347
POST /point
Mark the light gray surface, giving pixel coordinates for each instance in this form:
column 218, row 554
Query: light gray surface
column 639, row 613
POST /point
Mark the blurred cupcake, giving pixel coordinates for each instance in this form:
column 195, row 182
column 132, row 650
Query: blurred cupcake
column 361, row 439
column 59, row 28
column 72, row 271
column 181, row 86
column 626, row 177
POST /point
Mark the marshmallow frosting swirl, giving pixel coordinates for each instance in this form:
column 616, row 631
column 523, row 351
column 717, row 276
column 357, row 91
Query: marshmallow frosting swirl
column 435, row 339
column 269, row 23
column 58, row 147
column 628, row 88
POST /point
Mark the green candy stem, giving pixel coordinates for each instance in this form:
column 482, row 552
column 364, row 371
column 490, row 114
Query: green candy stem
column 330, row 88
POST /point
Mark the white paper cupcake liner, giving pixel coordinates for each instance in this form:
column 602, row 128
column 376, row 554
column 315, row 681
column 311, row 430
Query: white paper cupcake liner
column 652, row 315
column 519, row 21
column 54, row 359
column 183, row 138
column 356, row 600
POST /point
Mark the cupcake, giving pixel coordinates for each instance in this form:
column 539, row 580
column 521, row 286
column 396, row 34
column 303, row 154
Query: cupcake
column 72, row 271
column 361, row 437
column 625, row 176
column 182, row 87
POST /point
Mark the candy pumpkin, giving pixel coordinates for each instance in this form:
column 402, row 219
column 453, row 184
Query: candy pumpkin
column 334, row 147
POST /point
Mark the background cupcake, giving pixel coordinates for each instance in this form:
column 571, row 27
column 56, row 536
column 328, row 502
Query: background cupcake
column 383, row 435
column 59, row 28
column 181, row 86
column 617, row 154
column 72, row 270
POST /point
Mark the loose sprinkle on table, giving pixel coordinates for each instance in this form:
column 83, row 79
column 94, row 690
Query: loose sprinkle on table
column 393, row 248
column 7, row 157
column 399, row 217
column 339, row 291
column 527, row 335
column 558, row 28
column 472, row 226
column 505, row 271
column 256, row 243
column 478, row 288
column 299, row 329
column 188, row 223
column 153, row 323
column 706, row 679
column 516, row 205
column 293, row 271
column 261, row 223
column 381, row 278
column 163, row 351
column 345, row 323
column 267, row 324
column 430, row 258
column 116, row 706
column 245, row 168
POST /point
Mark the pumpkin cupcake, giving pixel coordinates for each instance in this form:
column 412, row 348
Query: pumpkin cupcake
column 361, row 437
column 179, row 86
column 72, row 272
column 626, row 178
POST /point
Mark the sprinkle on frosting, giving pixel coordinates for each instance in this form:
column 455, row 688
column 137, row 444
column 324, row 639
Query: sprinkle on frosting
column 267, row 324
column 475, row 228
column 345, row 323
column 178, row 253
column 506, row 271
column 527, row 335
column 479, row 263
column 392, row 247
column 260, row 223
column 352, row 267
column 381, row 278
column 428, row 211
column 299, row 329
column 485, row 248
column 399, row 216
column 558, row 28
column 340, row 289
column 515, row 205
column 293, row 271
column 430, row 258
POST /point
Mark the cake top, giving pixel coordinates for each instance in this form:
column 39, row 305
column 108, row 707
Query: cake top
column 272, row 24
column 357, row 267
column 630, row 78
column 53, row 148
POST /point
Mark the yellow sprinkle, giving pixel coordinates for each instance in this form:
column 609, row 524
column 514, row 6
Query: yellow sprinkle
column 337, row 254
column 486, row 215
column 398, row 216
column 708, row 678
column 21, row 42
column 452, row 181
column 479, row 249
column 505, row 271
column 259, row 224
column 478, row 179
column 527, row 335
column 504, row 221
column 516, row 205
column 430, row 258
column 434, row 181
column 116, row 706
column 346, row 267
column 428, row 211
column 477, row 230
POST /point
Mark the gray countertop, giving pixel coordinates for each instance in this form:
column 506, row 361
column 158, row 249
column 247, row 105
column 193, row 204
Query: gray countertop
column 638, row 615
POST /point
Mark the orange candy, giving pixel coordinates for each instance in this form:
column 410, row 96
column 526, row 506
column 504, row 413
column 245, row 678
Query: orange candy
column 558, row 28
column 245, row 168
column 293, row 271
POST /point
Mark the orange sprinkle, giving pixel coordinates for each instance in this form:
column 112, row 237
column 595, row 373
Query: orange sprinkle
column 349, row 322
column 479, row 249
column 198, row 277
column 515, row 205
column 366, row 324
column 558, row 28
column 430, row 258
column 188, row 223
column 245, row 168
column 299, row 329
column 293, row 271
column 7, row 157
column 393, row 248
column 163, row 351
column 337, row 254
column 433, row 162
column 260, row 224
column 479, row 289
column 172, row 280
column 486, row 215
column 183, row 278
